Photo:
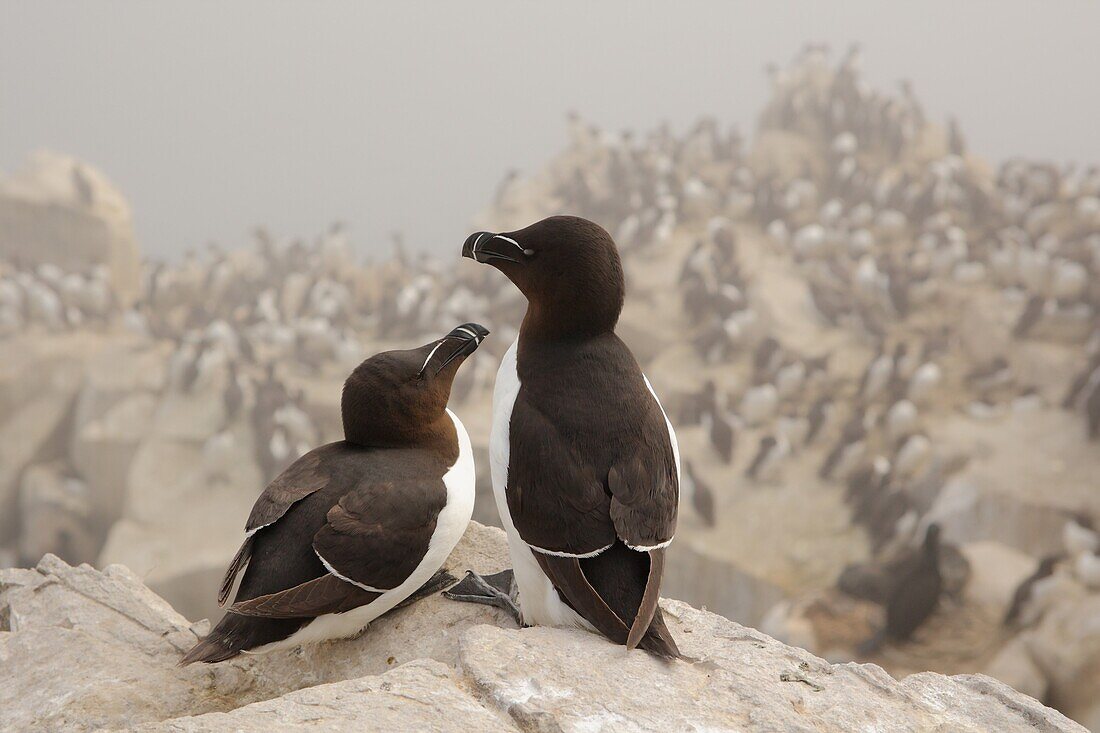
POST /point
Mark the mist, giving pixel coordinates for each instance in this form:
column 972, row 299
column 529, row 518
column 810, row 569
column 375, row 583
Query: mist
column 215, row 117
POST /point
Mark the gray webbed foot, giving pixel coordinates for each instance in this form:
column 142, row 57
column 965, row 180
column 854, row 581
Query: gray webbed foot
column 490, row 590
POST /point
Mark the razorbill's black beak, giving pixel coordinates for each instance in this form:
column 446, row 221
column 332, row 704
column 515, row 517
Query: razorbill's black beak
column 486, row 246
column 461, row 342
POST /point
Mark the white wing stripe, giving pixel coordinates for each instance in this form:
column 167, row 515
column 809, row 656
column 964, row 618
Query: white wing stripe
column 569, row 554
column 332, row 570
column 643, row 548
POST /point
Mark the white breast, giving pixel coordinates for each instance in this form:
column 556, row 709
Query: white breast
column 450, row 526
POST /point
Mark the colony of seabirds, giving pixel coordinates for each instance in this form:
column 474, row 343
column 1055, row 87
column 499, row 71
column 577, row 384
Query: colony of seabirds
column 878, row 229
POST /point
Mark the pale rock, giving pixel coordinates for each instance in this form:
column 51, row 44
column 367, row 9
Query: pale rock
column 54, row 511
column 996, row 570
column 32, row 432
column 42, row 215
column 97, row 651
column 1065, row 645
column 418, row 696
column 1015, row 666
column 737, row 679
column 189, row 417
column 103, row 449
column 717, row 584
column 117, row 372
column 167, row 532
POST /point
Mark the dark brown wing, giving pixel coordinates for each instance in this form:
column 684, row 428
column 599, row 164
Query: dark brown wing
column 616, row 593
column 327, row 594
column 558, row 501
column 303, row 477
column 568, row 577
column 378, row 533
column 644, row 495
column 235, row 566
column 593, row 477
column 372, row 541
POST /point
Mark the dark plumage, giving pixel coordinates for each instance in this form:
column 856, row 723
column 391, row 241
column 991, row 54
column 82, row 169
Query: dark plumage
column 915, row 596
column 233, row 397
column 592, row 476
column 702, row 496
column 767, row 445
column 854, row 432
column 1023, row 593
column 1092, row 412
column 1088, row 375
column 350, row 521
column 819, row 413
column 721, row 434
column 1030, row 316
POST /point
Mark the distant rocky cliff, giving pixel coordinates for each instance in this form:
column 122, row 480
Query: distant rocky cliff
column 63, row 212
column 86, row 650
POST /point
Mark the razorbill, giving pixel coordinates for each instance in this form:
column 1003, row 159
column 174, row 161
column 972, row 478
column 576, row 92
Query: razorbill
column 353, row 528
column 769, row 457
column 699, row 493
column 585, row 465
column 720, row 429
column 914, row 597
column 1020, row 611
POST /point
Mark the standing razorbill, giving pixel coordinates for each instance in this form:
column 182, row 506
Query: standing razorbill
column 353, row 528
column 585, row 466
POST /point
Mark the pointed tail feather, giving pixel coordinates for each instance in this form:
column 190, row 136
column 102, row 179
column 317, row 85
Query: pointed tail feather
column 235, row 634
column 658, row 640
column 647, row 609
column 239, row 561
column 209, row 650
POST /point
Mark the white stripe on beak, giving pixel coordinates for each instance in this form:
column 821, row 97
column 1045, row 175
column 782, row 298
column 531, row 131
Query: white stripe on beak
column 431, row 354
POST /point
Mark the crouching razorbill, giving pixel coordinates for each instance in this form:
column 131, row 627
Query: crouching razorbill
column 354, row 528
column 584, row 462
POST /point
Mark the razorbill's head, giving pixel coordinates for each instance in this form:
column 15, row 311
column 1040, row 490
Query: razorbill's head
column 568, row 268
column 398, row 397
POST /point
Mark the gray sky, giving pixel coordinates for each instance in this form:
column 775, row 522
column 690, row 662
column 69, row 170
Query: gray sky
column 215, row 116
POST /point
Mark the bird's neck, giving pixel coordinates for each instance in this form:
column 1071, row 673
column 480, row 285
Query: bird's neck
column 438, row 435
column 570, row 317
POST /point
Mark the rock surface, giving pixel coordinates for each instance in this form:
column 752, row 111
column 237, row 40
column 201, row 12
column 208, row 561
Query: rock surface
column 418, row 696
column 64, row 212
column 87, row 650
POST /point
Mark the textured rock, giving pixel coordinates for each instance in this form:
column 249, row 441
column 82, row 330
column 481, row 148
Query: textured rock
column 42, row 216
column 33, row 432
column 54, row 510
column 103, row 449
column 1065, row 645
column 742, row 680
column 124, row 368
column 718, row 585
column 166, row 532
column 84, row 650
column 99, row 649
column 419, row 696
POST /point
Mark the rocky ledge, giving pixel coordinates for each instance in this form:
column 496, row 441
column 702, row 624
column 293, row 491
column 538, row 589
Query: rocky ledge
column 86, row 650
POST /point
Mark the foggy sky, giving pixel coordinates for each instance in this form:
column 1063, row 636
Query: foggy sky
column 215, row 116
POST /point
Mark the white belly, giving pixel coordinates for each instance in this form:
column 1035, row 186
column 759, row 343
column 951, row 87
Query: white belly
column 450, row 526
